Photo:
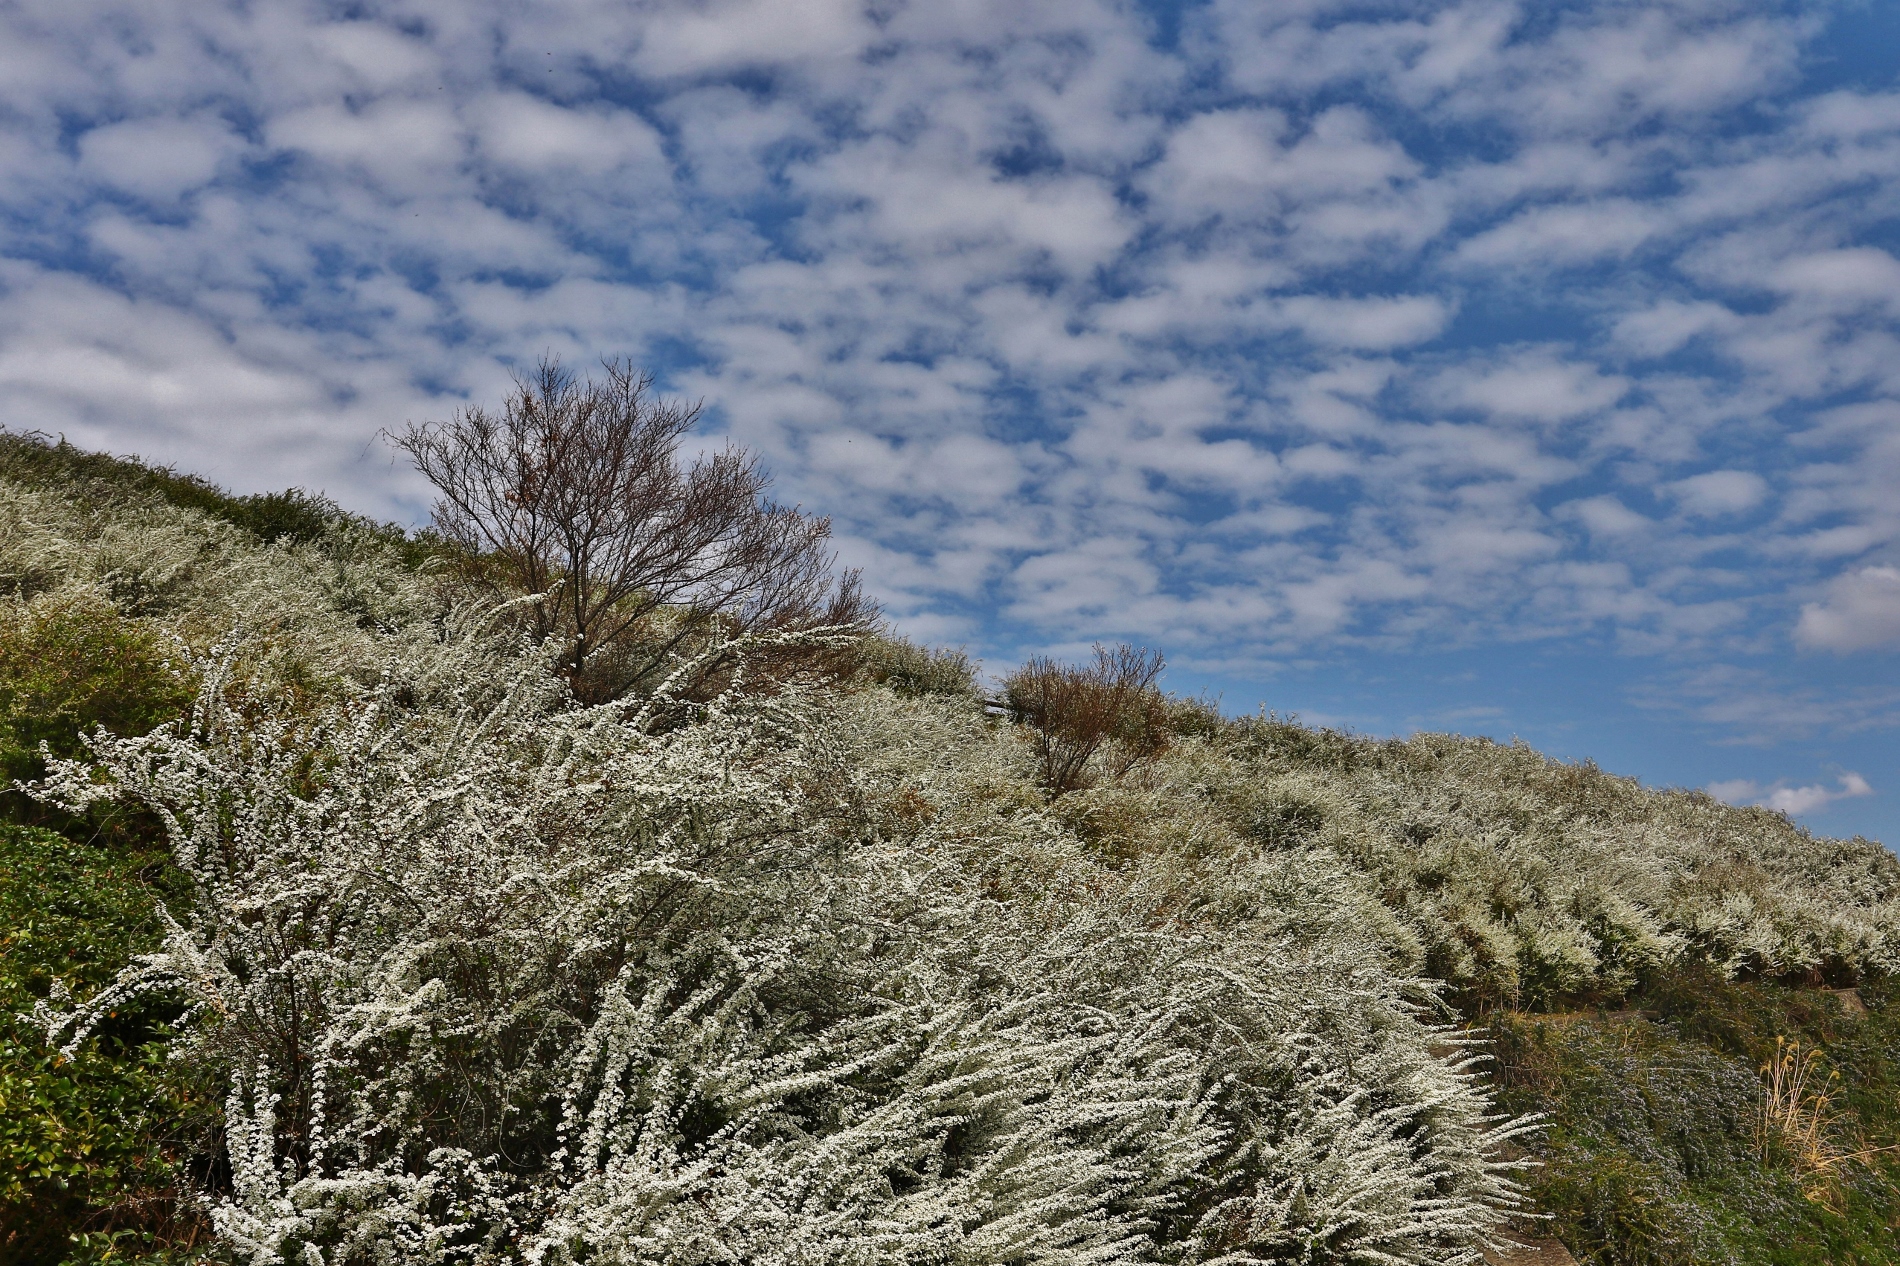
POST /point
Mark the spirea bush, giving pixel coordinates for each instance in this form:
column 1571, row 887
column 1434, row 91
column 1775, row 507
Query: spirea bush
column 814, row 972
column 493, row 977
column 1522, row 881
column 1542, row 879
column 315, row 609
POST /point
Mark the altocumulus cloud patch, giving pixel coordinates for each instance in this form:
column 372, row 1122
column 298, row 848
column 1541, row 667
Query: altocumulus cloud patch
column 1260, row 332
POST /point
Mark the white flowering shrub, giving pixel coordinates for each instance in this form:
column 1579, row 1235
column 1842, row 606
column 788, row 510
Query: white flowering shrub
column 1521, row 879
column 315, row 610
column 816, row 974
column 491, row 977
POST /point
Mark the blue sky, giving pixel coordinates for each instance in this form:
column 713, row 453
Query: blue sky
column 1512, row 369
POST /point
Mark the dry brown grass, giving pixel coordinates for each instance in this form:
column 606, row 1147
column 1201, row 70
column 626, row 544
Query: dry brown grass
column 1799, row 1120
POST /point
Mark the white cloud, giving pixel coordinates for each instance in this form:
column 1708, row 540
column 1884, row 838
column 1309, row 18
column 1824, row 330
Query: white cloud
column 1220, row 161
column 1719, row 492
column 693, row 39
column 525, row 132
column 932, row 200
column 1793, row 801
column 1667, row 326
column 1864, row 274
column 406, row 146
column 158, row 157
column 254, row 413
column 376, row 57
column 1861, row 611
column 1251, row 166
column 1607, row 517
column 1234, row 340
column 1558, row 236
column 1536, row 386
column 1374, row 324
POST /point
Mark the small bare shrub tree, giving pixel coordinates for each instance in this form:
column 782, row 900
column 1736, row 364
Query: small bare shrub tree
column 1075, row 712
column 575, row 490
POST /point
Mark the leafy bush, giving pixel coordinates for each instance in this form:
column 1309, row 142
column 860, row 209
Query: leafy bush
column 89, row 1139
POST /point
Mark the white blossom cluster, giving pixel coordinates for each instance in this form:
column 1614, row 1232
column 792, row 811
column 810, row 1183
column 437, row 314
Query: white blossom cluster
column 496, row 978
column 820, row 974
column 1523, row 878
column 325, row 607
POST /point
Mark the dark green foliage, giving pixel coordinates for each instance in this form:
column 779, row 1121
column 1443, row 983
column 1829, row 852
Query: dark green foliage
column 1282, row 740
column 1197, row 716
column 1285, row 818
column 88, row 1145
column 1652, row 1155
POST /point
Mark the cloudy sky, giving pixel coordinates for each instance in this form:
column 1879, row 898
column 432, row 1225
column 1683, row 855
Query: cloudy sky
column 1520, row 369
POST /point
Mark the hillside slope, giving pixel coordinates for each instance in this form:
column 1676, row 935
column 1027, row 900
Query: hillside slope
column 437, row 964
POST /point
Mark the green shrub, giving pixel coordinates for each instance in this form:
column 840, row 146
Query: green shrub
column 89, row 1146
column 914, row 670
column 68, row 662
column 1652, row 1155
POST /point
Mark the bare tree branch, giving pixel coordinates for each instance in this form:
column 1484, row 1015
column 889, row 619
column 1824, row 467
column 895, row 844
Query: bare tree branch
column 574, row 489
column 1075, row 712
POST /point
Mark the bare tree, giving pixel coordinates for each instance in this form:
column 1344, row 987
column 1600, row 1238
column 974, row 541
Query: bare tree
column 1075, row 712
column 575, row 490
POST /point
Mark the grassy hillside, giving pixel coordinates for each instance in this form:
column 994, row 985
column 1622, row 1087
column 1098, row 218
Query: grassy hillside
column 348, row 936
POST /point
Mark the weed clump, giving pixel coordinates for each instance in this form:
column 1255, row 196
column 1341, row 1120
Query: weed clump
column 914, row 671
